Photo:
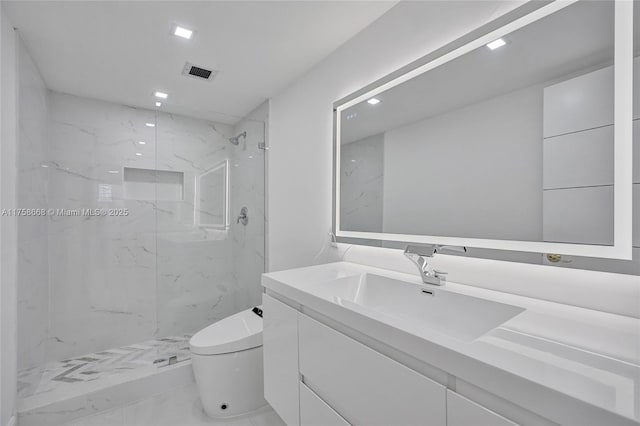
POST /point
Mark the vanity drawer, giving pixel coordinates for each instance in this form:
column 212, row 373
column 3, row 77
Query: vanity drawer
column 364, row 386
column 464, row 412
column 315, row 412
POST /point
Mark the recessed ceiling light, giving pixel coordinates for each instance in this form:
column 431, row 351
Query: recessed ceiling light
column 150, row 124
column 142, row 143
column 496, row 43
column 158, row 103
column 182, row 32
column 138, row 154
column 373, row 101
column 161, row 95
column 114, row 171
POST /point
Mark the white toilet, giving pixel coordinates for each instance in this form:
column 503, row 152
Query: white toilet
column 227, row 364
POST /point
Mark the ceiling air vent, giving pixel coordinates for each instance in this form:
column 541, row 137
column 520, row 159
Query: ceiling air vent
column 198, row 72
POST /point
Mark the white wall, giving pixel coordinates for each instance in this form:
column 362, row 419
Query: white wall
column 8, row 239
column 479, row 195
column 301, row 116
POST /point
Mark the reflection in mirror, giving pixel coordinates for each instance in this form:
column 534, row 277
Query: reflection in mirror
column 212, row 197
column 511, row 141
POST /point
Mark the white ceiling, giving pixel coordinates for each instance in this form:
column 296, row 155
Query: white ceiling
column 122, row 51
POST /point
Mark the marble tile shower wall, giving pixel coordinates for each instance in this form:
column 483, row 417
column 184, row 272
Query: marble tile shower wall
column 120, row 280
column 33, row 267
column 362, row 183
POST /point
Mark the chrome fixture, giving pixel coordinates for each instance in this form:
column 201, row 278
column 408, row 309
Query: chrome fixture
column 419, row 255
column 334, row 240
column 236, row 139
column 244, row 216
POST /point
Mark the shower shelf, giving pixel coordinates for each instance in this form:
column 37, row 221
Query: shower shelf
column 151, row 184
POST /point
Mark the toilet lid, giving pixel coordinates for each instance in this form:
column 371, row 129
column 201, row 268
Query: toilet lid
column 232, row 334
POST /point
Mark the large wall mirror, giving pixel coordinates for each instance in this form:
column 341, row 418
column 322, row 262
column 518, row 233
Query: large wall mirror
column 517, row 137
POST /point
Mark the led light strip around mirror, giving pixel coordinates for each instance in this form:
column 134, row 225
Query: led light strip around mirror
column 623, row 162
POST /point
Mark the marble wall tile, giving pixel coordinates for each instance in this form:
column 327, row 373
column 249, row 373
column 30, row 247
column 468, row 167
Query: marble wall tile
column 361, row 184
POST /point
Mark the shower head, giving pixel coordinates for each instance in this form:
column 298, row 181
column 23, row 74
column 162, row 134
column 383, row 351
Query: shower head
column 236, row 139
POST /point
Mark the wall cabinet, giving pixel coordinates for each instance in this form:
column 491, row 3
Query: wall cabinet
column 578, row 163
column 317, row 376
column 567, row 213
column 580, row 103
column 578, row 159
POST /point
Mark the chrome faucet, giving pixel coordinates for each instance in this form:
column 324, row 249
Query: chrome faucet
column 419, row 255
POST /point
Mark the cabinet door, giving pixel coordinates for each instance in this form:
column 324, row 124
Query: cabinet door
column 463, row 412
column 280, row 340
column 315, row 412
column 578, row 215
column 578, row 159
column 580, row 103
column 364, row 386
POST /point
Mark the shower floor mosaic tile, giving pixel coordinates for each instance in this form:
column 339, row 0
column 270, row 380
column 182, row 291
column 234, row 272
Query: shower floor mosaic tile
column 101, row 369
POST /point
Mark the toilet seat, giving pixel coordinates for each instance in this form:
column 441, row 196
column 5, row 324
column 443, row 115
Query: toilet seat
column 236, row 333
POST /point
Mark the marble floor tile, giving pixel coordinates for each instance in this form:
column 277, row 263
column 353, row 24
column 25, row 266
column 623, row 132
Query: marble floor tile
column 179, row 407
column 106, row 418
column 266, row 417
column 72, row 377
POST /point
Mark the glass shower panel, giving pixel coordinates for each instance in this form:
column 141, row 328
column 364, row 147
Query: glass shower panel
column 102, row 263
column 91, row 259
column 209, row 263
column 248, row 191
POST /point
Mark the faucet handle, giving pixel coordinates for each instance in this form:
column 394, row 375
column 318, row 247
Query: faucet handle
column 442, row 275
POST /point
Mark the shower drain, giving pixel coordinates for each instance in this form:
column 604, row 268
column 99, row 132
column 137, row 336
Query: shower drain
column 169, row 361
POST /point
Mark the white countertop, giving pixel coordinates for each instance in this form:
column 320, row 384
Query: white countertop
column 560, row 361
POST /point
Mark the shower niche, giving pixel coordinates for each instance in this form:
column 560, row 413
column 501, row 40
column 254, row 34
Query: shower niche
column 150, row 184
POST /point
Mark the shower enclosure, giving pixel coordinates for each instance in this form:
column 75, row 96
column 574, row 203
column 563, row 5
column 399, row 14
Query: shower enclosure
column 139, row 241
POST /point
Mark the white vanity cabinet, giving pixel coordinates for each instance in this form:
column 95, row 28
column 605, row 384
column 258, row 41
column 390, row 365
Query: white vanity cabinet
column 315, row 412
column 364, row 386
column 464, row 412
column 317, row 376
column 280, row 349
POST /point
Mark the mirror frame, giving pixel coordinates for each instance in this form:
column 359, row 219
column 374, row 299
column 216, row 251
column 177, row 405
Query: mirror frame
column 623, row 132
column 196, row 202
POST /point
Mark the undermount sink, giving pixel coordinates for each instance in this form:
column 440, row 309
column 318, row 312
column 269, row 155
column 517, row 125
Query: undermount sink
column 463, row 317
